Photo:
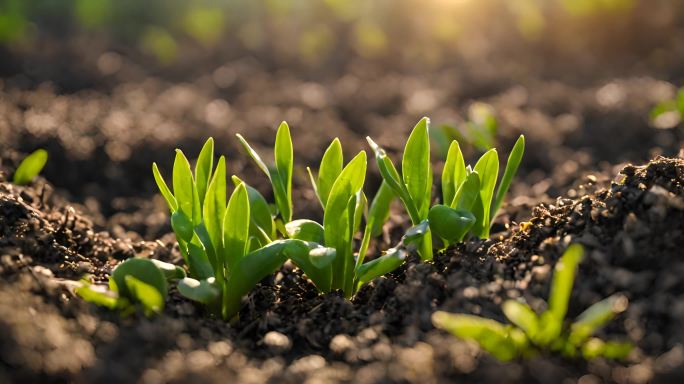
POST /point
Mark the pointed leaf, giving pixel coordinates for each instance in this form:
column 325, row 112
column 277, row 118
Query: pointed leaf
column 198, row 262
column 492, row 336
column 214, row 208
column 283, row 162
column 512, row 164
column 259, row 211
column 30, row 167
column 468, row 192
column 182, row 226
column 306, row 230
column 523, row 316
column 488, row 169
column 164, row 189
column 454, row 173
column 254, row 155
column 415, row 166
column 595, row 317
column 391, row 260
column 203, row 169
column 184, row 188
column 331, row 166
column 236, row 227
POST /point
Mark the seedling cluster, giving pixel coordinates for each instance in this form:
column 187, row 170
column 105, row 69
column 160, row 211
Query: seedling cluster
column 531, row 333
column 230, row 244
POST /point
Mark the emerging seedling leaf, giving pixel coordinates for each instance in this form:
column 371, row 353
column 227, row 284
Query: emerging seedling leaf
column 30, row 167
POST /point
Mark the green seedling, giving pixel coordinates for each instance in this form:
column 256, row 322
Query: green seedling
column 531, row 333
column 280, row 173
column 227, row 246
column 414, row 185
column 669, row 113
column 331, row 263
column 469, row 203
column 136, row 282
column 30, row 167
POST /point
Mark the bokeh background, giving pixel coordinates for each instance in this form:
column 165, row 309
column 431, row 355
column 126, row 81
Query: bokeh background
column 108, row 86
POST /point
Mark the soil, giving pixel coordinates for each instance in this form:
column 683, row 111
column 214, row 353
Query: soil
column 96, row 205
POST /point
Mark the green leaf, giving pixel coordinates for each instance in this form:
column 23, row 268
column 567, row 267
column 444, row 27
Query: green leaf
column 492, row 336
column 561, row 288
column 253, row 267
column 337, row 222
column 202, row 291
column 322, row 257
column 378, row 214
column 283, row 162
column 260, row 212
column 512, row 164
column 450, row 224
column 611, row 350
column 203, row 169
column 184, row 188
column 454, row 173
column 164, row 189
column 102, row 297
column 522, row 316
column 182, row 226
column 170, row 271
column 468, row 193
column 148, row 295
column 214, row 208
column 317, row 265
column 306, row 230
column 487, row 169
column 416, row 169
column 391, row 260
column 596, row 317
column 415, row 234
column 391, row 177
column 30, row 167
column 330, row 169
column 198, row 262
column 142, row 269
column 236, row 227
column 254, row 155
column 379, row 210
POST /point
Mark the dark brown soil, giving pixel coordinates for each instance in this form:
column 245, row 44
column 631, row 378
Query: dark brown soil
column 632, row 229
column 96, row 204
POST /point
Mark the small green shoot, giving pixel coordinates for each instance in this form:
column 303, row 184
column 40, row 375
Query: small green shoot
column 331, row 263
column 531, row 333
column 280, row 173
column 136, row 282
column 414, row 185
column 469, row 202
column 227, row 245
column 479, row 131
column 30, row 167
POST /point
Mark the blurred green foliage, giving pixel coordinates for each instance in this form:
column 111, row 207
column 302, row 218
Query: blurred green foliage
column 423, row 30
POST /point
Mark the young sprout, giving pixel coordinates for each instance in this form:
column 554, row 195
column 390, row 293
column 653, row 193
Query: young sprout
column 331, row 263
column 134, row 282
column 531, row 333
column 227, row 246
column 30, row 167
column 668, row 114
column 469, row 203
column 414, row 185
column 280, row 173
